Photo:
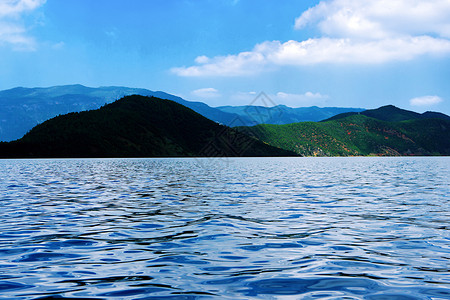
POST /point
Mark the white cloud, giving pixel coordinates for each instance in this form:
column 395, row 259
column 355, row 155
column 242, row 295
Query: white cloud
column 327, row 50
column 12, row 30
column 206, row 93
column 298, row 100
column 353, row 31
column 202, row 59
column 425, row 101
column 232, row 65
column 16, row 7
column 375, row 19
column 315, row 51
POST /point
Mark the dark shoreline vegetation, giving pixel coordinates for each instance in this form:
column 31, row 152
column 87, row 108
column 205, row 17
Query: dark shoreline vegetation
column 141, row 126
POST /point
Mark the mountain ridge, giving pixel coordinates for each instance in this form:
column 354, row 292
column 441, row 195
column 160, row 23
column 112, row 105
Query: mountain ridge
column 23, row 108
column 135, row 126
column 282, row 114
column 392, row 113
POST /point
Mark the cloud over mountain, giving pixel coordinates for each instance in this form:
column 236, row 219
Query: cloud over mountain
column 206, row 93
column 425, row 101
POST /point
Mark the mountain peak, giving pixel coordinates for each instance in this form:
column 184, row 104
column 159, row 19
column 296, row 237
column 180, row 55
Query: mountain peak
column 392, row 113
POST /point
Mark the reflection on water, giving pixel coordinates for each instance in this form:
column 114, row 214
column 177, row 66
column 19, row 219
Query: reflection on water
column 310, row 228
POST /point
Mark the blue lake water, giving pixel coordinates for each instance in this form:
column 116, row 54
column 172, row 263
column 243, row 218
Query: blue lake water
column 244, row 228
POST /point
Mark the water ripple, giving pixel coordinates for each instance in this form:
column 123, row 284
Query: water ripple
column 309, row 228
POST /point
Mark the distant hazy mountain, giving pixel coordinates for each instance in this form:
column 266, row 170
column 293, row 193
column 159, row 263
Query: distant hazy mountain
column 23, row 108
column 282, row 114
column 136, row 126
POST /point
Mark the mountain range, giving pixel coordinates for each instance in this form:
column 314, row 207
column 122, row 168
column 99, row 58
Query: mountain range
column 136, row 126
column 149, row 126
column 24, row 108
column 282, row 114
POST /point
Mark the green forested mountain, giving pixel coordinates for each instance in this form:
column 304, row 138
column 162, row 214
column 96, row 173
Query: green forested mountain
column 135, row 126
column 358, row 134
column 392, row 113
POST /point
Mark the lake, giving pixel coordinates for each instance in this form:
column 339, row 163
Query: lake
column 225, row 228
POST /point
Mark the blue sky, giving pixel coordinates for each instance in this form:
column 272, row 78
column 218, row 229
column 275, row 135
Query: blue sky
column 358, row 53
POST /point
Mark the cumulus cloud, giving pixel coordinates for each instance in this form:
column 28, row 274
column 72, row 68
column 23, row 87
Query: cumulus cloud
column 425, row 101
column 16, row 7
column 12, row 30
column 297, row 100
column 327, row 50
column 206, row 93
column 375, row 19
column 244, row 63
column 315, row 51
column 353, row 31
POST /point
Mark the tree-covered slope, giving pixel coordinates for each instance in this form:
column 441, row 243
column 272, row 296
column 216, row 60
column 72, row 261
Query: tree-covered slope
column 392, row 113
column 135, row 126
column 358, row 135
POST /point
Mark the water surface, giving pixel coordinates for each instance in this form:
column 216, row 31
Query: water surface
column 244, row 228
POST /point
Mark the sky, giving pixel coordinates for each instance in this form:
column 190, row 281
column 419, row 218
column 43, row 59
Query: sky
column 344, row 53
